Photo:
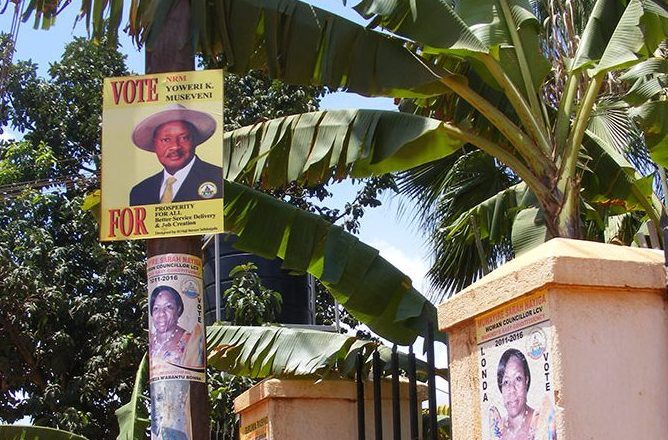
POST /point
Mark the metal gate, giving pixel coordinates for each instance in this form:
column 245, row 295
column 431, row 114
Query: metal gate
column 433, row 428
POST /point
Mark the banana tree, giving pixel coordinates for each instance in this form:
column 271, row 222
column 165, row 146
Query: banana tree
column 477, row 65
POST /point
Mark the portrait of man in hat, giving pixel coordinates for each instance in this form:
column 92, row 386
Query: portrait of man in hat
column 173, row 135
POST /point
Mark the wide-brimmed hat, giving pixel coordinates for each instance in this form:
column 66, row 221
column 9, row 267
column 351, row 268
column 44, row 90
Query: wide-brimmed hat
column 204, row 124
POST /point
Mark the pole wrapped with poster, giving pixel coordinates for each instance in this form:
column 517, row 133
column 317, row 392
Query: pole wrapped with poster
column 162, row 180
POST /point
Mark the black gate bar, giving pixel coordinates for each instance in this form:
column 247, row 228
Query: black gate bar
column 361, row 427
column 377, row 403
column 412, row 395
column 396, row 402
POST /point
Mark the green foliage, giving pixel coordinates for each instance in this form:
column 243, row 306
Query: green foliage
column 71, row 309
column 70, row 316
column 65, row 110
column 16, row 432
column 223, row 389
column 247, row 301
column 443, row 423
column 258, row 98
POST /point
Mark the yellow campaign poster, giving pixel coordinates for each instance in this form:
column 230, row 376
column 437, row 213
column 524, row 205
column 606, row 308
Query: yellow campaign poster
column 162, row 137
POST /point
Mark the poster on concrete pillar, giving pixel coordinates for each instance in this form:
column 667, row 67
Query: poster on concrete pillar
column 515, row 371
column 162, row 158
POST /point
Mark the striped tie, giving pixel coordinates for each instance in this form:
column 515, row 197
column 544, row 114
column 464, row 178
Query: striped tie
column 168, row 195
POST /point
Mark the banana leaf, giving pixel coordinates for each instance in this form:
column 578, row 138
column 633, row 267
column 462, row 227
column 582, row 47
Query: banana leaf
column 434, row 23
column 303, row 44
column 312, row 146
column 260, row 352
column 620, row 34
column 363, row 282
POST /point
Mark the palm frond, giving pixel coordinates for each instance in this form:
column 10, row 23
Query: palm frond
column 476, row 211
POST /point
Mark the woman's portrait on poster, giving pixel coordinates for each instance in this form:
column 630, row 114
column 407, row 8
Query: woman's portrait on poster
column 521, row 421
column 169, row 341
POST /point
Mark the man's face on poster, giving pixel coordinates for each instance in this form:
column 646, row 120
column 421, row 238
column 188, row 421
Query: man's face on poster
column 514, row 387
column 174, row 145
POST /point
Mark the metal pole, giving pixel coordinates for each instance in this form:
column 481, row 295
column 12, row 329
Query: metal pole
column 377, row 402
column 412, row 395
column 337, row 317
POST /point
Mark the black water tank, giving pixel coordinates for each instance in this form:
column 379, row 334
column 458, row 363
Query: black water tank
column 296, row 290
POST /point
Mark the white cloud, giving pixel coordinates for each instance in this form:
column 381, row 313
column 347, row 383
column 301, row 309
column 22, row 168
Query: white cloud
column 412, row 265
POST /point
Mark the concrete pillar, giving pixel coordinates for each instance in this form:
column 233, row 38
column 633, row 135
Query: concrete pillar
column 591, row 321
column 306, row 410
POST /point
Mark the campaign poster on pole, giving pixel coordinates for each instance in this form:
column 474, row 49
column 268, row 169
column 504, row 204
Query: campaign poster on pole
column 176, row 341
column 176, row 318
column 515, row 371
column 162, row 137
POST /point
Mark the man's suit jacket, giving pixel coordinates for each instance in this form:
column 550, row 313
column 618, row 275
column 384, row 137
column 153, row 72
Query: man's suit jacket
column 147, row 192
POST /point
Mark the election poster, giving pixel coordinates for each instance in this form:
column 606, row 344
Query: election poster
column 176, row 341
column 515, row 371
column 176, row 318
column 162, row 137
